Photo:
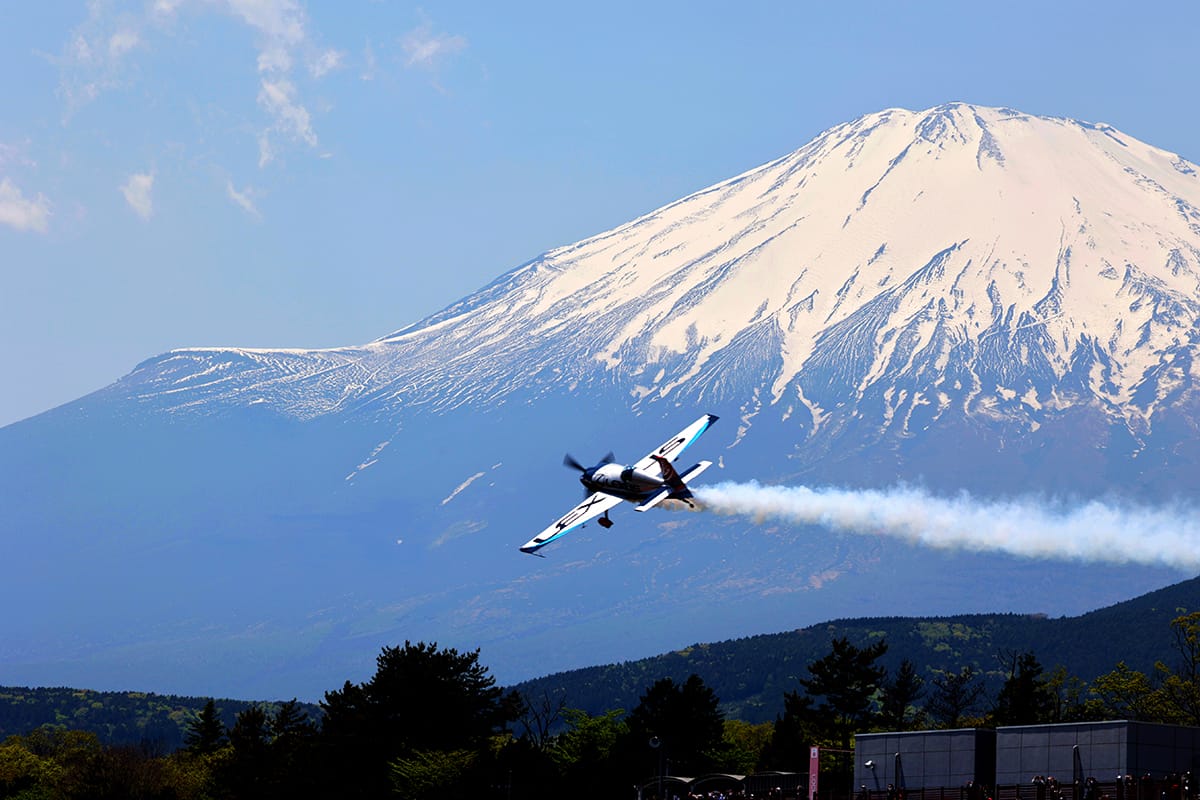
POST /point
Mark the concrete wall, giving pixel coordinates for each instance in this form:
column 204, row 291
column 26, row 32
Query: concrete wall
column 1106, row 750
column 927, row 758
column 1048, row 750
column 1014, row 755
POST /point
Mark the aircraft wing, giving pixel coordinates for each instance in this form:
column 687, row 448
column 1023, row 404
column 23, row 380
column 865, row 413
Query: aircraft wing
column 593, row 506
column 673, row 447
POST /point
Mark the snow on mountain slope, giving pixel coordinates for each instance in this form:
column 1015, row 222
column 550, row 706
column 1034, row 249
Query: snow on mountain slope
column 966, row 258
column 960, row 298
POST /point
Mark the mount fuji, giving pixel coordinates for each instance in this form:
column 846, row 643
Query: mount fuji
column 962, row 298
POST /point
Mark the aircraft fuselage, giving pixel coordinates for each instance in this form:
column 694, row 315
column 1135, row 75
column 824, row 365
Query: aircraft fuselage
column 623, row 481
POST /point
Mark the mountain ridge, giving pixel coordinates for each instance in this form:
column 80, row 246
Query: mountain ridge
column 654, row 331
column 746, row 669
column 962, row 299
column 750, row 674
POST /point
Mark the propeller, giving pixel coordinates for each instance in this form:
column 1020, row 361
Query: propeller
column 569, row 461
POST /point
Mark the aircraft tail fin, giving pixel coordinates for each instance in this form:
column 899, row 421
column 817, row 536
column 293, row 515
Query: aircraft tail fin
column 670, row 476
column 676, row 488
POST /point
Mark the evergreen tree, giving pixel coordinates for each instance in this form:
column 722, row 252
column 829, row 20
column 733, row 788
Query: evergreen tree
column 206, row 733
column 421, row 699
column 955, row 696
column 1026, row 697
column 845, row 682
column 292, row 736
column 248, row 771
column 795, row 730
column 899, row 696
column 685, row 720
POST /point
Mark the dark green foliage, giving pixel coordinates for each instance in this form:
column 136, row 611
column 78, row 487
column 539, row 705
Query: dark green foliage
column 1026, row 697
column 1169, row 694
column 898, row 705
column 248, row 770
column 421, row 701
column 795, row 730
column 1069, row 695
column 205, row 733
column 147, row 720
column 685, row 722
column 587, row 751
column 1181, row 684
column 751, row 675
column 955, row 697
column 837, row 701
column 432, row 724
column 844, row 683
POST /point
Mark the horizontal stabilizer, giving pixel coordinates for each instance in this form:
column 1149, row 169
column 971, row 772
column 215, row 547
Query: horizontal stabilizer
column 655, row 499
column 695, row 471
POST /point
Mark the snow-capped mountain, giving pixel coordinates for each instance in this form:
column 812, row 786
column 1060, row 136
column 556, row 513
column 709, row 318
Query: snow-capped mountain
column 965, row 297
column 960, row 257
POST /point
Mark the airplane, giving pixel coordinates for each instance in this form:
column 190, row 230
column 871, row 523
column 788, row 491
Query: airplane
column 647, row 483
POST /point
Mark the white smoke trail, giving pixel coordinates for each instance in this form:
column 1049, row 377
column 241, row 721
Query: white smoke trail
column 1092, row 531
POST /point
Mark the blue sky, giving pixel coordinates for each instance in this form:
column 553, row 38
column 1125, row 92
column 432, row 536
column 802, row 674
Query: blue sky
column 278, row 173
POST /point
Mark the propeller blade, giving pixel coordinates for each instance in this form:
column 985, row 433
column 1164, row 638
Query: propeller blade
column 609, row 458
column 568, row 461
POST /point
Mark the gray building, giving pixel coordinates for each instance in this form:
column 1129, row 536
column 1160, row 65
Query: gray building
column 1013, row 756
column 924, row 758
column 1100, row 750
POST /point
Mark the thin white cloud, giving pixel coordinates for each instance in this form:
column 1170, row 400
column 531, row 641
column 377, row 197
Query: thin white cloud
column 137, row 191
column 278, row 98
column 95, row 57
column 16, row 154
column 325, row 62
column 280, row 24
column 24, row 214
column 244, row 198
column 266, row 153
column 425, row 49
column 122, row 42
column 165, row 8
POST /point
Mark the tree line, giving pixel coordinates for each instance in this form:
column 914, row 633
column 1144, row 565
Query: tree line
column 432, row 723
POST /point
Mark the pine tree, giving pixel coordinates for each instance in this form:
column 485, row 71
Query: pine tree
column 686, row 721
column 205, row 733
column 900, row 694
column 248, row 771
column 845, row 683
column 421, row 699
column 1026, row 697
column 955, row 695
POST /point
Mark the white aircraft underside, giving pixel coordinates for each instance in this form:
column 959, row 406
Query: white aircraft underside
column 646, row 484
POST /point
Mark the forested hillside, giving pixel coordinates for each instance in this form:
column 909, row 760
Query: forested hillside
column 750, row 675
column 117, row 718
